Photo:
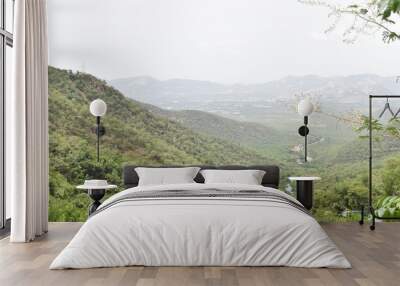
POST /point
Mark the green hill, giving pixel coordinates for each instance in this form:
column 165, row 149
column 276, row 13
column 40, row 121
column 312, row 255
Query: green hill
column 272, row 143
column 133, row 134
column 249, row 134
column 141, row 135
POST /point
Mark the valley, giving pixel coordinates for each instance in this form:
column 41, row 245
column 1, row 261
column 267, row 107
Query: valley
column 211, row 132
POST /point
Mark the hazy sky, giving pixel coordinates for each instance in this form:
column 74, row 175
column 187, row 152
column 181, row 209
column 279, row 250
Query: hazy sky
column 231, row 41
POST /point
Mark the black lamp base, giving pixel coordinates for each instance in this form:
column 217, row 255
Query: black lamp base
column 305, row 193
column 96, row 196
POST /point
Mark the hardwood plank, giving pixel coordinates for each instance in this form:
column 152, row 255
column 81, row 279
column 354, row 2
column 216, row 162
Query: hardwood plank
column 375, row 257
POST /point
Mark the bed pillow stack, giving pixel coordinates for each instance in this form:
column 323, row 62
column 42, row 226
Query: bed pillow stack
column 186, row 175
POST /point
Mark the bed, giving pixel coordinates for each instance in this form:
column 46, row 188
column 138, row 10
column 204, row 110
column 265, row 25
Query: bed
column 198, row 224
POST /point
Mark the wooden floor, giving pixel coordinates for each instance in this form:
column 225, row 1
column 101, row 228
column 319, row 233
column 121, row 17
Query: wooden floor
column 375, row 257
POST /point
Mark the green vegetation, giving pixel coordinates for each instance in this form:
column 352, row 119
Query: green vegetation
column 271, row 142
column 388, row 207
column 133, row 135
column 144, row 135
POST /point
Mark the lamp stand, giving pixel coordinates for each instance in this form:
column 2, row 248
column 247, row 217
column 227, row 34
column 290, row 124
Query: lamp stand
column 99, row 131
column 98, row 137
column 303, row 131
column 305, row 138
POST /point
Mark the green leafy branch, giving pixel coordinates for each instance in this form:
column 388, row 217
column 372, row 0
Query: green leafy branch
column 391, row 129
column 368, row 17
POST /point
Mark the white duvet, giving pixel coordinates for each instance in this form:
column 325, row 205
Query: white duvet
column 200, row 231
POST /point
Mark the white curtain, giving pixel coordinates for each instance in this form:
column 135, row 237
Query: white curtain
column 27, row 123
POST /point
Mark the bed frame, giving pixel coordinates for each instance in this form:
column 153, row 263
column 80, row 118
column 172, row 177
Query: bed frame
column 270, row 179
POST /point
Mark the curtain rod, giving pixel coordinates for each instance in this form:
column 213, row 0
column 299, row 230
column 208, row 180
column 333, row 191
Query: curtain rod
column 384, row 96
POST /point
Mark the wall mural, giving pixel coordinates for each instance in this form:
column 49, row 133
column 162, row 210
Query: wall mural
column 198, row 82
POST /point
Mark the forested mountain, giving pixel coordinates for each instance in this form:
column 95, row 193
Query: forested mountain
column 240, row 132
column 133, row 134
column 146, row 135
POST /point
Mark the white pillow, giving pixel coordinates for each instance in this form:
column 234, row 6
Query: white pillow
column 166, row 176
column 248, row 177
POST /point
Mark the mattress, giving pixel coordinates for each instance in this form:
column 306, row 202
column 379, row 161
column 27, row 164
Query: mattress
column 201, row 225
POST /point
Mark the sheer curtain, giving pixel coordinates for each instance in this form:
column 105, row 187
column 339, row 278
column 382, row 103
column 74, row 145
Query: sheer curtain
column 27, row 123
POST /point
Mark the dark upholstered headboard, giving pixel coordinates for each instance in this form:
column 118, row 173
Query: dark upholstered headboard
column 271, row 177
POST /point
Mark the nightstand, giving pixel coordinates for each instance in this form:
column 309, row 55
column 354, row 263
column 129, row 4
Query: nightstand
column 305, row 189
column 96, row 190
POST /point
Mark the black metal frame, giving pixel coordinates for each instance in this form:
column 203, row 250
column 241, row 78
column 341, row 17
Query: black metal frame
column 370, row 207
column 96, row 195
column 271, row 178
column 6, row 39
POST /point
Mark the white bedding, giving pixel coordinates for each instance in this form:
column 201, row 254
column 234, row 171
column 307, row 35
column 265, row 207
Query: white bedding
column 200, row 231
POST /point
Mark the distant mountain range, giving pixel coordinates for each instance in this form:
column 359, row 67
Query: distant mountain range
column 182, row 93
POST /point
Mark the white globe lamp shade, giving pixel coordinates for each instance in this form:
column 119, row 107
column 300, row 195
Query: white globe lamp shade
column 98, row 107
column 305, row 107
